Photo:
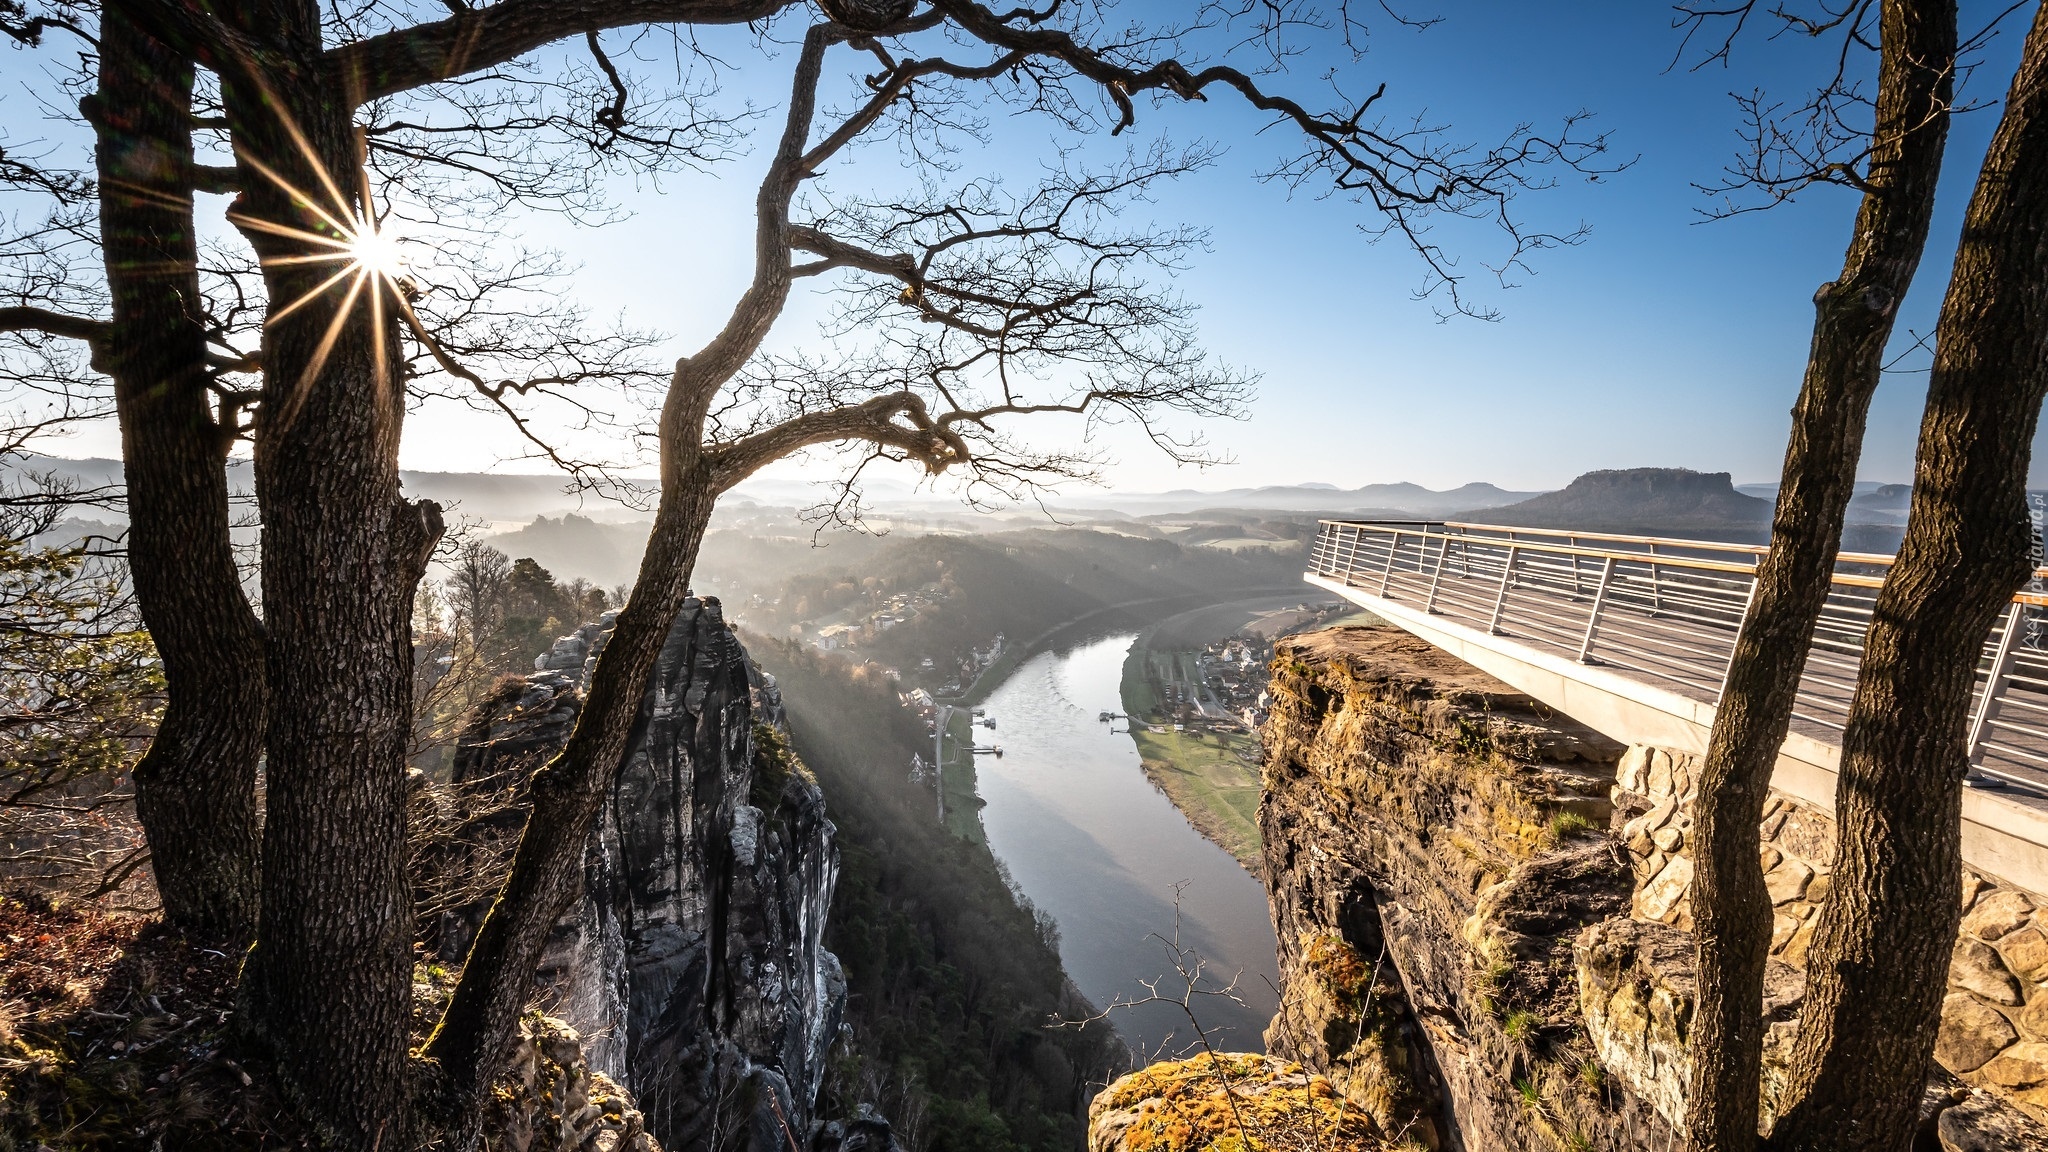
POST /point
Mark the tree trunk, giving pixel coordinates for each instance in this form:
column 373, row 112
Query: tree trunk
column 328, row 985
column 1853, row 321
column 547, row 868
column 470, row 1040
column 196, row 786
column 1877, row 969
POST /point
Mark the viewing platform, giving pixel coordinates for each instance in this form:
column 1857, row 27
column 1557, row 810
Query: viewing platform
column 1632, row 635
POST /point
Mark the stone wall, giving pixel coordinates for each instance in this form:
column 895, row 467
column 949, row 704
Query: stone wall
column 1994, row 1034
column 1655, row 794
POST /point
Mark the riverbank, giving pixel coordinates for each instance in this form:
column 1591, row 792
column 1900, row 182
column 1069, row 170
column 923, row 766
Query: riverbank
column 1129, row 614
column 1110, row 859
column 1212, row 776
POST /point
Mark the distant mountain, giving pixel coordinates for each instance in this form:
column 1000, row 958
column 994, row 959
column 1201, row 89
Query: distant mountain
column 1638, row 499
column 1888, row 497
column 493, row 497
column 1412, row 499
column 1769, row 491
column 507, row 499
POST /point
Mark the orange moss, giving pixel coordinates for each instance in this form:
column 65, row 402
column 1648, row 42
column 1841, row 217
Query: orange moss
column 1341, row 970
column 1233, row 1102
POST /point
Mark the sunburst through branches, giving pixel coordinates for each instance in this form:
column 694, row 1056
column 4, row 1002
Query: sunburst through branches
column 369, row 258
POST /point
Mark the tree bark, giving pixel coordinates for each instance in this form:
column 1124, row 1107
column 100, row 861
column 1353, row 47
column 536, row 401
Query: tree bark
column 196, row 786
column 328, row 986
column 1877, row 969
column 1853, row 321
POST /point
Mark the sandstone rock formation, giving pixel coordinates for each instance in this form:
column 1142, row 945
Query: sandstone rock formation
column 693, row 965
column 1484, row 910
column 1449, row 831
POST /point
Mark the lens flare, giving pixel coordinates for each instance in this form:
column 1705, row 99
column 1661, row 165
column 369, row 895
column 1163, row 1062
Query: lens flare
column 352, row 240
column 377, row 251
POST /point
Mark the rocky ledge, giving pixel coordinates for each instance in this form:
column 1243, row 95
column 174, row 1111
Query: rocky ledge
column 1445, row 836
column 1228, row 1101
column 1483, row 911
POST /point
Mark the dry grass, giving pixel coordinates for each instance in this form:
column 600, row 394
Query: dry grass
column 116, row 1036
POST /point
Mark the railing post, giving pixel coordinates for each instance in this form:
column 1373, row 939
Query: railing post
column 1500, row 598
column 1656, row 584
column 1573, row 541
column 1436, row 574
column 1387, row 574
column 1748, row 602
column 1599, row 602
column 1351, row 557
column 2001, row 668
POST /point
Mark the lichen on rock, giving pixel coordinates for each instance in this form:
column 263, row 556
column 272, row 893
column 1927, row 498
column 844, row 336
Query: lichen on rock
column 550, row 1100
column 1230, row 1102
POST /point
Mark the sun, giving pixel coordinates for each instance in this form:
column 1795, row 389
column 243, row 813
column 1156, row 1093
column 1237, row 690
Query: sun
column 377, row 250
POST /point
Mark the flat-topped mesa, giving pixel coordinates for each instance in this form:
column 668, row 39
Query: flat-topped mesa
column 693, row 964
column 1482, row 909
column 1670, row 498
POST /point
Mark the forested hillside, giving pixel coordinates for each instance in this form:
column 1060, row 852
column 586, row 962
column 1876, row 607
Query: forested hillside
column 944, row 596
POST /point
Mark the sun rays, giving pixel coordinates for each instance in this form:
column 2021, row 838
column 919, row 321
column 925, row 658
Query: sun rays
column 368, row 259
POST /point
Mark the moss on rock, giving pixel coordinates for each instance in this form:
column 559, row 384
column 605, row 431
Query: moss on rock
column 1229, row 1102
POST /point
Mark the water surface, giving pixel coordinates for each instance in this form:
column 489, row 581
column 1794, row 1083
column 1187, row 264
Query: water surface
column 1090, row 840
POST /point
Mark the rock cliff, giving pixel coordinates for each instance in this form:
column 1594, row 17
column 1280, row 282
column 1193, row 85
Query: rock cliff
column 693, row 965
column 1484, row 913
column 1434, row 844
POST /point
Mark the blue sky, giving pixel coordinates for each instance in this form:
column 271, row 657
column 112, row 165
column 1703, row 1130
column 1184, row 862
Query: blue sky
column 1660, row 340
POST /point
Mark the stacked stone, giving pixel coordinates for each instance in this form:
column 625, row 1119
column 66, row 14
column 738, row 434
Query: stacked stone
column 1656, row 794
column 1994, row 1023
column 1994, row 1030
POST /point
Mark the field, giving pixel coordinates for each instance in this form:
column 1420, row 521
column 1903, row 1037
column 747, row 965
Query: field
column 1209, row 778
column 1212, row 777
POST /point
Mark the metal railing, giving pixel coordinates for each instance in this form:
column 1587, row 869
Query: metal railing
column 1667, row 611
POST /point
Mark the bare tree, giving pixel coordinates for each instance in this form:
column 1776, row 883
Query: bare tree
column 80, row 696
column 1895, row 161
column 476, row 583
column 1877, row 963
column 1877, row 968
column 999, row 293
column 966, row 309
column 178, row 407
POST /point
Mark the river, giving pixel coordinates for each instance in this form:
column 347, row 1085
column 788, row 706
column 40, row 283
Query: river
column 1090, row 840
